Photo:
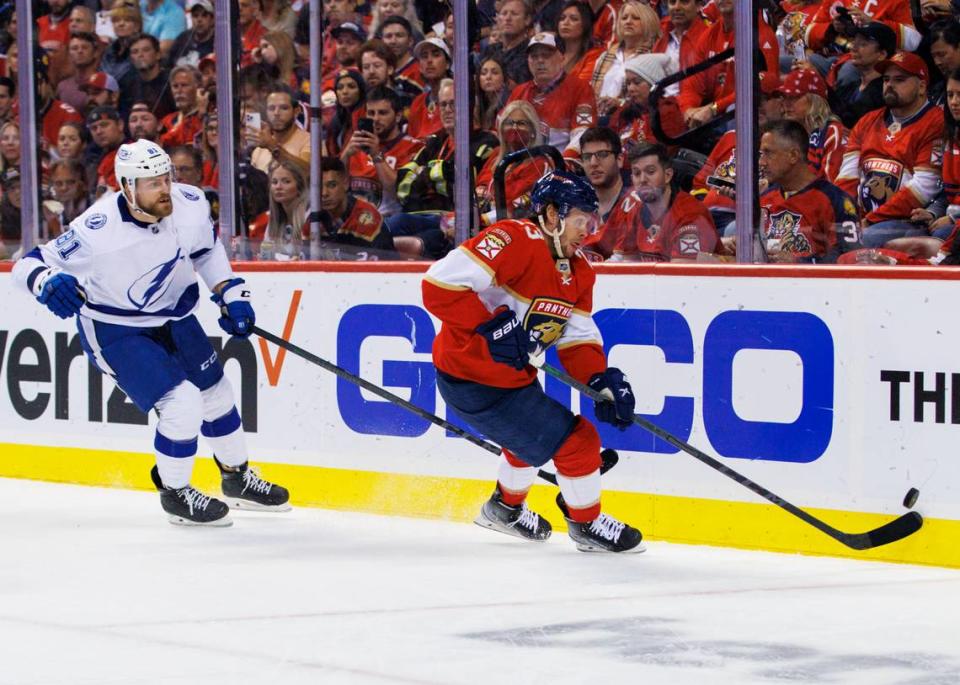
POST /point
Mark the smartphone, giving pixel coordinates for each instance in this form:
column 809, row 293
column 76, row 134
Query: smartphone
column 365, row 124
column 718, row 182
column 252, row 120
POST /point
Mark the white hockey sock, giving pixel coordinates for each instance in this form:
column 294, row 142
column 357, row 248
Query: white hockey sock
column 174, row 460
column 226, row 439
column 515, row 481
column 582, row 495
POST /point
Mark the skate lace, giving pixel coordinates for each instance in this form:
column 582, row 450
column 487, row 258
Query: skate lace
column 607, row 527
column 251, row 481
column 194, row 499
column 528, row 519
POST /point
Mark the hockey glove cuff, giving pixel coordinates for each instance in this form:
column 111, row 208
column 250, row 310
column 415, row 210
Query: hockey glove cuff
column 60, row 292
column 619, row 407
column 237, row 312
column 506, row 339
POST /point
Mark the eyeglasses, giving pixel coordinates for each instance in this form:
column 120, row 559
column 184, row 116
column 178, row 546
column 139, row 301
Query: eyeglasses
column 517, row 123
column 447, row 104
column 599, row 155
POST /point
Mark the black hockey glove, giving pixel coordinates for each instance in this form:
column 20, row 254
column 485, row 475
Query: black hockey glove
column 506, row 339
column 618, row 409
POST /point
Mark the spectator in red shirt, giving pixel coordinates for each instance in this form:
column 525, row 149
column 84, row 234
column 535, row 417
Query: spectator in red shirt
column 251, row 30
column 575, row 28
column 632, row 120
column 183, row 126
column 397, row 34
column 53, row 29
column 106, row 130
column 52, row 112
column 347, row 220
column 435, row 61
column 682, row 28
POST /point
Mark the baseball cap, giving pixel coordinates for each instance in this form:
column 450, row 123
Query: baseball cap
column 348, row 27
column 435, row 42
column 802, row 81
column 551, row 40
column 879, row 33
column 210, row 59
column 102, row 114
column 908, row 62
column 101, row 80
column 205, row 5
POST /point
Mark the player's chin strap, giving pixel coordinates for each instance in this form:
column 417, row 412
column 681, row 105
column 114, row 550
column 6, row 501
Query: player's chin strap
column 132, row 202
column 563, row 264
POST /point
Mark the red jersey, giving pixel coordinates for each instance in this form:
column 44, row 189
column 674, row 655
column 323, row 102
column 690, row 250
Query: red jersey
column 686, row 51
column 717, row 83
column 52, row 36
column 250, row 40
column 424, row 118
column 179, row 129
column 510, row 264
column 361, row 226
column 893, row 167
column 364, row 179
column 815, row 223
column 825, row 152
column 721, row 164
column 683, row 232
column 894, row 13
column 57, row 114
column 566, row 109
column 106, row 172
column 517, row 183
column 635, row 128
column 411, row 72
column 604, row 22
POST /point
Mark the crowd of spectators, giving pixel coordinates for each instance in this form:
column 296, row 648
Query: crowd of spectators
column 859, row 102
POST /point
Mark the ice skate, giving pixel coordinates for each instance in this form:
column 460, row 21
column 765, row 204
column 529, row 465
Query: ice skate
column 243, row 488
column 519, row 521
column 603, row 534
column 187, row 506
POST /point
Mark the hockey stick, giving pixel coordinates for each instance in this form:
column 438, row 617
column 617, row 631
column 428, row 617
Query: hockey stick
column 609, row 457
column 899, row 528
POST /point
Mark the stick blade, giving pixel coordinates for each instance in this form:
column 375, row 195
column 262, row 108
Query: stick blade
column 899, row 528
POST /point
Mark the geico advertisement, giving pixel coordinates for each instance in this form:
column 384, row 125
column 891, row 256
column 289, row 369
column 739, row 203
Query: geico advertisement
column 834, row 393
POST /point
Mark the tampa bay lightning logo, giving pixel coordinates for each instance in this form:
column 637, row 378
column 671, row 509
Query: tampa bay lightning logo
column 95, row 221
column 124, row 154
column 190, row 195
column 150, row 287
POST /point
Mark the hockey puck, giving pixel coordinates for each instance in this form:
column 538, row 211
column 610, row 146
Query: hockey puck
column 911, row 498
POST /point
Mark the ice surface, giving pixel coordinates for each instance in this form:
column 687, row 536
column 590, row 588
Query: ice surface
column 96, row 587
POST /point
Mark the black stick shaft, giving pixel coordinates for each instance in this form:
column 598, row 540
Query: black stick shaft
column 905, row 525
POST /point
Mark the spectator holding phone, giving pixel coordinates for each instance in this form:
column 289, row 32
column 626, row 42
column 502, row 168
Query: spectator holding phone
column 281, row 138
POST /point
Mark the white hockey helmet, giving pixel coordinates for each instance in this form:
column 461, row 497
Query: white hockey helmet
column 140, row 159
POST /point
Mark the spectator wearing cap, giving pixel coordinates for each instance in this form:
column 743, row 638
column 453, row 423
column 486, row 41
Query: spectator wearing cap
column 350, row 37
column 106, row 130
column 895, row 14
column 565, row 104
column 805, row 102
column 944, row 37
column 150, row 82
column 893, row 159
column 143, row 123
column 53, row 29
column 872, row 43
column 681, row 29
column 632, row 120
column 514, row 25
column 435, row 62
column 251, row 30
column 182, row 126
column 281, row 138
column 196, row 42
column 163, row 19
column 8, row 93
column 638, row 28
column 82, row 52
column 127, row 26
column 397, row 35
column 10, row 220
column 101, row 90
column 712, row 91
column 208, row 70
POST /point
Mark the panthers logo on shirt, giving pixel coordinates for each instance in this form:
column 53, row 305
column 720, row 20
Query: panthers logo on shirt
column 545, row 321
column 785, row 227
column 881, row 180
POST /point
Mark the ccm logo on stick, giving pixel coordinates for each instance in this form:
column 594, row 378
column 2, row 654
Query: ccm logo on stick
column 802, row 440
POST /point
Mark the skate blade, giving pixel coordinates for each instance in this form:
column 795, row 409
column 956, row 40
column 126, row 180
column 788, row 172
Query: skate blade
column 586, row 547
column 247, row 505
column 487, row 523
column 219, row 523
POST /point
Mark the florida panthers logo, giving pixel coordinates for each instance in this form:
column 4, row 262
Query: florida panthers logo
column 150, row 287
column 785, row 227
column 881, row 179
column 545, row 320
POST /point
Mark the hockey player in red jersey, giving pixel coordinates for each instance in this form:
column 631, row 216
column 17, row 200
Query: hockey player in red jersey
column 513, row 291
column 893, row 157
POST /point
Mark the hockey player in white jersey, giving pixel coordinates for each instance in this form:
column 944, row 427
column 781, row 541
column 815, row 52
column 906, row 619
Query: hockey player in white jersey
column 127, row 269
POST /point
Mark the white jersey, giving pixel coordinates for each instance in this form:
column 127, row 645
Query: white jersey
column 135, row 273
